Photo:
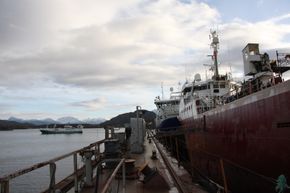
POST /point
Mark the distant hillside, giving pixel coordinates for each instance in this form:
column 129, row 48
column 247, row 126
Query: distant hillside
column 122, row 119
column 62, row 120
column 9, row 125
column 118, row 121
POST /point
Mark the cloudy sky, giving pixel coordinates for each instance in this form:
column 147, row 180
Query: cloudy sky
column 95, row 58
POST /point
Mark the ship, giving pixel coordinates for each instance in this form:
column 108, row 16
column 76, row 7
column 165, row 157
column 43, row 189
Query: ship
column 67, row 129
column 237, row 134
column 167, row 111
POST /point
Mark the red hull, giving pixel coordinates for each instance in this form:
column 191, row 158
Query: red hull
column 252, row 137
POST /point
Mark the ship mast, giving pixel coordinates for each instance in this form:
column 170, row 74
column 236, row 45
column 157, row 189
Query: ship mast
column 214, row 44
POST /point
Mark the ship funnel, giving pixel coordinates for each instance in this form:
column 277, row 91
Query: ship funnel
column 197, row 77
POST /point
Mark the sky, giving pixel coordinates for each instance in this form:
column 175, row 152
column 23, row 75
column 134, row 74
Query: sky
column 98, row 59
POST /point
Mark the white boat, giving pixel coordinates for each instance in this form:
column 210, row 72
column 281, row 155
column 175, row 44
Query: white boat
column 67, row 129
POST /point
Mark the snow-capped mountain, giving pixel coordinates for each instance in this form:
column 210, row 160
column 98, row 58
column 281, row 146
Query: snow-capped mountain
column 93, row 120
column 33, row 121
column 69, row 120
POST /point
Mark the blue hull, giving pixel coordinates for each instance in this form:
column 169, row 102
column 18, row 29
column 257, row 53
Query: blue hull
column 169, row 124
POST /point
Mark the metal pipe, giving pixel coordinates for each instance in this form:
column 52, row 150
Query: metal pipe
column 52, row 168
column 224, row 175
column 4, row 186
column 89, row 170
column 137, row 112
column 98, row 171
column 109, row 181
column 177, row 151
column 75, row 173
column 124, row 177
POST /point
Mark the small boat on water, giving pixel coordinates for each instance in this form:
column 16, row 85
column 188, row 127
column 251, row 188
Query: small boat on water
column 67, row 129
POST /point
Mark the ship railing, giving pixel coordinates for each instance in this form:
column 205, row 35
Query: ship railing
column 247, row 89
column 92, row 153
column 205, row 104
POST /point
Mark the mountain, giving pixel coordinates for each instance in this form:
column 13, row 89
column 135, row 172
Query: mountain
column 122, row 119
column 118, row 121
column 34, row 121
column 62, row 120
column 15, row 119
column 69, row 120
column 41, row 122
column 9, row 125
column 93, row 120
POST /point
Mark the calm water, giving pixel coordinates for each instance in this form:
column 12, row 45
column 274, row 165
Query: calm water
column 23, row 148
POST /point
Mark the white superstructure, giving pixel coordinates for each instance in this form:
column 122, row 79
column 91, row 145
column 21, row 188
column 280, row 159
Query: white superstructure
column 200, row 96
column 167, row 108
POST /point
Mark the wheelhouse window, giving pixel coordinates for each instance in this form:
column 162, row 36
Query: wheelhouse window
column 222, row 85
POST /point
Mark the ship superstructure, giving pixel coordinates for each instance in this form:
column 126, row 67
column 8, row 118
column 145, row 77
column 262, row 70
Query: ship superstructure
column 167, row 110
column 201, row 96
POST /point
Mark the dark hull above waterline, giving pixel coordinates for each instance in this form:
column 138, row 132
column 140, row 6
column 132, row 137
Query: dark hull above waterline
column 248, row 140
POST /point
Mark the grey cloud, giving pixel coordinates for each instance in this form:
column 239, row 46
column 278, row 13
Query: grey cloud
column 141, row 48
column 94, row 104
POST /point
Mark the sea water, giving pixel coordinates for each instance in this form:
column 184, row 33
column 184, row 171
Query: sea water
column 24, row 148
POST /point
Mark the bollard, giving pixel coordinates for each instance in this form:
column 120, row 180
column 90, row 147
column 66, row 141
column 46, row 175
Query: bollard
column 153, row 156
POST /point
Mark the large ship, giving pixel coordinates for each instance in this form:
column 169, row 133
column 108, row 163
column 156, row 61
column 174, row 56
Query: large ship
column 238, row 134
column 167, row 111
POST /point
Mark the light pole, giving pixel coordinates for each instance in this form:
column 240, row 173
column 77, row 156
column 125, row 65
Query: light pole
column 138, row 108
column 137, row 111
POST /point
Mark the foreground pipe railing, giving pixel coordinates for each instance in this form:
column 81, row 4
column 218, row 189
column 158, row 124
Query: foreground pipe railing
column 109, row 181
column 4, row 181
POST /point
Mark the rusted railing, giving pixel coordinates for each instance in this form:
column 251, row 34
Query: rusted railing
column 93, row 148
column 112, row 176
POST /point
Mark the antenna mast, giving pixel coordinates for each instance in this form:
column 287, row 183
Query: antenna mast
column 215, row 45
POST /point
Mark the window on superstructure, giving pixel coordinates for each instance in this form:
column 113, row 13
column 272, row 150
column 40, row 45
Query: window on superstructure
column 186, row 90
column 222, row 85
column 203, row 87
column 200, row 87
column 215, row 85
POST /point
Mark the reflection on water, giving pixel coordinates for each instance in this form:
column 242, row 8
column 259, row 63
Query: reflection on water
column 23, row 148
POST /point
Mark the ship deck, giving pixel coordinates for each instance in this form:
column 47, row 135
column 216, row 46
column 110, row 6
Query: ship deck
column 161, row 182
